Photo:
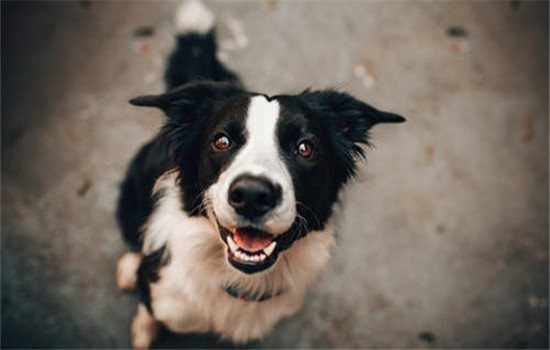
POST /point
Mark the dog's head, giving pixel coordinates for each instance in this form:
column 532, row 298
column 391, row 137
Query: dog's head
column 266, row 170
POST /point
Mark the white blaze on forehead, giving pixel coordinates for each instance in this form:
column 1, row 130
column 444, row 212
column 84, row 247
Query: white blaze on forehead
column 261, row 126
column 259, row 156
column 260, row 153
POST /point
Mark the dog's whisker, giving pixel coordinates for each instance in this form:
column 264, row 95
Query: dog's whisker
column 300, row 204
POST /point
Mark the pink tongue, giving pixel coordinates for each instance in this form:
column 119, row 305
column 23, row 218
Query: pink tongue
column 251, row 241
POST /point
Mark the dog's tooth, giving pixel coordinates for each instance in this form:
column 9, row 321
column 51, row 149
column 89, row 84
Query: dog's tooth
column 239, row 255
column 232, row 245
column 244, row 256
column 262, row 256
column 270, row 248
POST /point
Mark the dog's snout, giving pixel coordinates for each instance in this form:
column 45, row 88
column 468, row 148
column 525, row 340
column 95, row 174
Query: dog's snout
column 252, row 197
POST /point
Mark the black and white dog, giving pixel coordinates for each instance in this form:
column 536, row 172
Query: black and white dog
column 229, row 208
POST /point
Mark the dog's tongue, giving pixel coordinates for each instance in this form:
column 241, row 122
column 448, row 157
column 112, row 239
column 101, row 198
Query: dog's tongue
column 252, row 240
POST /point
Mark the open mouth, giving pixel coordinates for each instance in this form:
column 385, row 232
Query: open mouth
column 250, row 250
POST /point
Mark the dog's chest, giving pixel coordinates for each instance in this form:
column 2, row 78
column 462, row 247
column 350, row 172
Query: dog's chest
column 190, row 299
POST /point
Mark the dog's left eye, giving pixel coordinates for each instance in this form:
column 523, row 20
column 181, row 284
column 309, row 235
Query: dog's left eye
column 221, row 142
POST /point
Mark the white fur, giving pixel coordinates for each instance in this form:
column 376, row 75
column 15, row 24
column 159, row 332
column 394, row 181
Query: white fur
column 193, row 17
column 167, row 216
column 189, row 295
column 259, row 157
column 126, row 274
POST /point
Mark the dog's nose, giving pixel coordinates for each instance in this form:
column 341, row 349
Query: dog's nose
column 252, row 196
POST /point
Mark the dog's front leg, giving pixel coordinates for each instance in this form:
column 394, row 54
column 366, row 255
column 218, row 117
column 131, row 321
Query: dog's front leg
column 126, row 273
column 144, row 328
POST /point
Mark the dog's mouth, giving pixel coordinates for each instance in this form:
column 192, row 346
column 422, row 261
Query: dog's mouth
column 250, row 250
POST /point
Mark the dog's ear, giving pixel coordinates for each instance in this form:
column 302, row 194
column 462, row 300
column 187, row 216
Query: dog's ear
column 185, row 101
column 351, row 118
column 347, row 122
column 148, row 101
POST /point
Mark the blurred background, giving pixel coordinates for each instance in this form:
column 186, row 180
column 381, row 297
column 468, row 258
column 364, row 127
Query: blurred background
column 444, row 238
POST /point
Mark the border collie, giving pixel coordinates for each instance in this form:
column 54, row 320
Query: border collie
column 228, row 209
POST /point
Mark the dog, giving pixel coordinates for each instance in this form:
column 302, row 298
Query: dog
column 229, row 209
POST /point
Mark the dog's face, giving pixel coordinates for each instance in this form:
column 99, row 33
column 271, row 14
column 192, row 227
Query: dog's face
column 266, row 170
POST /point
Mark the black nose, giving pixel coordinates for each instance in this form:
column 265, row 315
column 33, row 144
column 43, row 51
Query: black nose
column 252, row 197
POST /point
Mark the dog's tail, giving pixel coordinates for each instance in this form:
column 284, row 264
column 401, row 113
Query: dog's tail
column 194, row 56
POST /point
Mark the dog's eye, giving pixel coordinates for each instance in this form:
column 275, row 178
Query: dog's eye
column 305, row 149
column 222, row 142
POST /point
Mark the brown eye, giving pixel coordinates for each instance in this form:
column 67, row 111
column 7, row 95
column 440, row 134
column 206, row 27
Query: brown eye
column 305, row 149
column 222, row 142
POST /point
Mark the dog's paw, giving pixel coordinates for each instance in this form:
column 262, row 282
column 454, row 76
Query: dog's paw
column 126, row 273
column 142, row 340
column 144, row 329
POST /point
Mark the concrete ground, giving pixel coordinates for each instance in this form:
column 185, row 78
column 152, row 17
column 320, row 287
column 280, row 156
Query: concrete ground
column 444, row 237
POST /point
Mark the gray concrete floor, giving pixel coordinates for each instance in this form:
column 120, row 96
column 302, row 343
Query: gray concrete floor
column 444, row 236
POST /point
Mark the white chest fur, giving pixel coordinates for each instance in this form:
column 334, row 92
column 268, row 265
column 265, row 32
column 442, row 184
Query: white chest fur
column 190, row 295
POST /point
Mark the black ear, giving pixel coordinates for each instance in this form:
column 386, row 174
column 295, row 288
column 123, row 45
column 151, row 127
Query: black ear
column 147, row 101
column 188, row 96
column 385, row 117
column 351, row 118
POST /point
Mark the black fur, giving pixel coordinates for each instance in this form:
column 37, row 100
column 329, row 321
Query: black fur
column 135, row 203
column 195, row 115
column 148, row 273
column 195, row 58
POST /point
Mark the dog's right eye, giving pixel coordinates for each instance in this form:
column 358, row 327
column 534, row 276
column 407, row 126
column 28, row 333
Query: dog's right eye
column 221, row 142
column 305, row 149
